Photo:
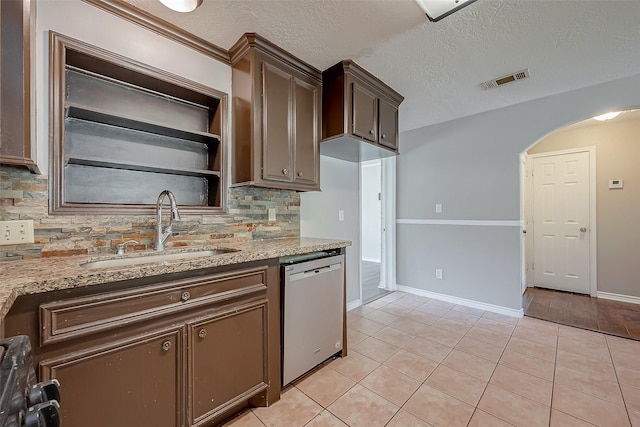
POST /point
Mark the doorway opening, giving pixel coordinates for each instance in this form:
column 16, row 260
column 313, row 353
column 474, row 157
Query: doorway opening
column 372, row 231
column 571, row 257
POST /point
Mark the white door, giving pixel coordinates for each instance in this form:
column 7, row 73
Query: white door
column 561, row 222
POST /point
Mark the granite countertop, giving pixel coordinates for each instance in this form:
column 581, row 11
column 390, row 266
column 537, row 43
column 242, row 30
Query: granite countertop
column 51, row 274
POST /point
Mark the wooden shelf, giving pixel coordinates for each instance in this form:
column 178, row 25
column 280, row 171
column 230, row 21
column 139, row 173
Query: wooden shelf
column 123, row 164
column 98, row 116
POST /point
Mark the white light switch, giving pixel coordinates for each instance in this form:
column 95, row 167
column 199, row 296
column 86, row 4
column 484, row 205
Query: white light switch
column 340, row 215
column 272, row 214
column 438, row 273
column 16, row 232
column 438, row 207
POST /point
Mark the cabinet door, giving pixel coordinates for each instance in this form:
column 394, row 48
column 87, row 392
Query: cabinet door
column 227, row 360
column 136, row 383
column 277, row 141
column 307, row 111
column 364, row 104
column 388, row 135
column 16, row 20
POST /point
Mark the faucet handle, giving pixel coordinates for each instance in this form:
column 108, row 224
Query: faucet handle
column 121, row 247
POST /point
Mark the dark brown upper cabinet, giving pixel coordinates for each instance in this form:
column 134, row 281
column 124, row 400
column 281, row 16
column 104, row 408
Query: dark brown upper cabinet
column 17, row 26
column 123, row 131
column 276, row 117
column 359, row 114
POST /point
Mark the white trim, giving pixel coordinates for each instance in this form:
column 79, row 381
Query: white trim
column 617, row 297
column 371, row 260
column 462, row 301
column 492, row 223
column 354, row 304
column 593, row 244
column 523, row 217
column 388, row 265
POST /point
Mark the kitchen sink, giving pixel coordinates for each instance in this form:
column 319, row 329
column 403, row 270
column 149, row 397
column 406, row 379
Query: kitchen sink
column 154, row 258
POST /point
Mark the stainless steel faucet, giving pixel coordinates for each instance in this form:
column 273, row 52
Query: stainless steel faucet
column 162, row 236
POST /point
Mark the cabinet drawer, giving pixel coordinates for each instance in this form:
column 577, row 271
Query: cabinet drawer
column 77, row 317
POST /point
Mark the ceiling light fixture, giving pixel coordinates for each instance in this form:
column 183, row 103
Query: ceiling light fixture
column 182, row 5
column 438, row 9
column 607, row 116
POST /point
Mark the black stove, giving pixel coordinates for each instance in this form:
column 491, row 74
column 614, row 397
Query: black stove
column 23, row 401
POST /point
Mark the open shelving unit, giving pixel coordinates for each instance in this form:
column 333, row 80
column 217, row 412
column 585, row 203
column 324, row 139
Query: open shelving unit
column 124, row 131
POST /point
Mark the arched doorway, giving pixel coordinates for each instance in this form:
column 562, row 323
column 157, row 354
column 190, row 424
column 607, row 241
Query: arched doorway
column 611, row 149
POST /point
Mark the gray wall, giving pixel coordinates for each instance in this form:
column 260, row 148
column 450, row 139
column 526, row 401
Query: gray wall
column 340, row 182
column 471, row 166
column 617, row 145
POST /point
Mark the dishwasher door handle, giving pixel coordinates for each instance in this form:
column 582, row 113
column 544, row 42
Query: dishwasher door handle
column 314, row 272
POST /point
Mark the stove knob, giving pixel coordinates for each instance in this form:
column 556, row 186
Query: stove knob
column 45, row 414
column 44, row 391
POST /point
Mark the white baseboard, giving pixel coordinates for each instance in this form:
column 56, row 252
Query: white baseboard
column 618, row 297
column 354, row 304
column 462, row 301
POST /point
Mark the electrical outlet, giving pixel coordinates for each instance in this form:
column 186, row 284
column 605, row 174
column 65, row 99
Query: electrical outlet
column 438, row 273
column 438, row 207
column 340, row 215
column 272, row 214
column 16, row 232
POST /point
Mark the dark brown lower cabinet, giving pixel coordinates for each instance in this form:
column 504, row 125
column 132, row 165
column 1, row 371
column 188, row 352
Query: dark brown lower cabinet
column 181, row 350
column 135, row 383
column 226, row 360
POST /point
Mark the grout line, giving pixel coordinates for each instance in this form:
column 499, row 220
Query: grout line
column 613, row 363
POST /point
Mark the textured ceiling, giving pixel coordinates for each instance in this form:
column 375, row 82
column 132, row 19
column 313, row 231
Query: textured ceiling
column 438, row 67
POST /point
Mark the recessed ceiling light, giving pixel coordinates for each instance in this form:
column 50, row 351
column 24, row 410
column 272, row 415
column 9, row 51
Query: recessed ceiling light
column 607, row 116
column 438, row 9
column 182, row 5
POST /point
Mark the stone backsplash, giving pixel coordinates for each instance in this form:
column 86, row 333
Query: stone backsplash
column 24, row 195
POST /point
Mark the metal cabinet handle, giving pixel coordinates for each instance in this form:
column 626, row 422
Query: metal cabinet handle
column 185, row 296
column 166, row 346
column 202, row 333
column 583, row 229
column 372, row 131
column 285, row 171
column 384, row 136
column 299, row 173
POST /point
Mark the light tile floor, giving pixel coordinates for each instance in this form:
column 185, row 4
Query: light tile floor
column 420, row 362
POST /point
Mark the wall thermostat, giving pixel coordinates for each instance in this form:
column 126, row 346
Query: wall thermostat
column 616, row 183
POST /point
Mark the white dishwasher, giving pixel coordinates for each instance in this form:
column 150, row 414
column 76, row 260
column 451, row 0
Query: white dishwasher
column 312, row 321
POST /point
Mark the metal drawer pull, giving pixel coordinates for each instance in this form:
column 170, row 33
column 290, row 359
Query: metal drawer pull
column 185, row 296
column 299, row 173
column 285, row 171
column 166, row 346
column 202, row 333
column 583, row 229
column 384, row 136
column 372, row 131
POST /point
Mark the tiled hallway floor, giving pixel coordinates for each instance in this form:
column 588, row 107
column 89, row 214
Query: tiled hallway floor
column 419, row 362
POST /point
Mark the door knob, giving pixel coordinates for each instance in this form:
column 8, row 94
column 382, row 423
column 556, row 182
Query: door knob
column 166, row 346
column 202, row 333
column 583, row 229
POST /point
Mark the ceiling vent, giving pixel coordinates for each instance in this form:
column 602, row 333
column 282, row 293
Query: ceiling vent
column 518, row 75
